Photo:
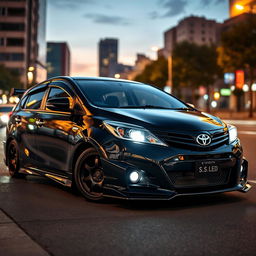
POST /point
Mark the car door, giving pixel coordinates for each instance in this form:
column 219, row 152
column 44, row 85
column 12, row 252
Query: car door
column 24, row 119
column 54, row 129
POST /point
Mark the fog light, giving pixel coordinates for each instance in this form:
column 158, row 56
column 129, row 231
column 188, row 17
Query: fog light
column 134, row 177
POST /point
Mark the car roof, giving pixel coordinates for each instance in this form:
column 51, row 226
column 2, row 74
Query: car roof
column 93, row 78
column 73, row 79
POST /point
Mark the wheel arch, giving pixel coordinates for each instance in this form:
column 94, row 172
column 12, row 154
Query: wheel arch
column 81, row 148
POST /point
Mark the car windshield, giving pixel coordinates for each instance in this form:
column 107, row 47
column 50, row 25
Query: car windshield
column 6, row 109
column 115, row 94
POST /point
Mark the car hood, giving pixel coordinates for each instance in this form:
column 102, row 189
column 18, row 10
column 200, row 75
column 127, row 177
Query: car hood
column 165, row 119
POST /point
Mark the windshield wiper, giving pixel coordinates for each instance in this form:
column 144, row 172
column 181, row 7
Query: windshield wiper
column 145, row 106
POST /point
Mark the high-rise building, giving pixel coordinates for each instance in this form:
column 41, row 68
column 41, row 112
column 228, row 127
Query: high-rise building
column 237, row 7
column 58, row 59
column 198, row 30
column 22, row 38
column 108, row 57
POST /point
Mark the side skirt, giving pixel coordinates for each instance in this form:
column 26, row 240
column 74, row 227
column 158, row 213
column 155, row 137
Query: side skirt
column 63, row 180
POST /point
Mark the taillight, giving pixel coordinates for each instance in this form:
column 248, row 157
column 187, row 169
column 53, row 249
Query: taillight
column 10, row 114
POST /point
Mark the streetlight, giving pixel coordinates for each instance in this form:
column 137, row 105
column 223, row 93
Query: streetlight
column 239, row 7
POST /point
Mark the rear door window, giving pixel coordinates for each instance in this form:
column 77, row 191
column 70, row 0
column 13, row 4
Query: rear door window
column 34, row 99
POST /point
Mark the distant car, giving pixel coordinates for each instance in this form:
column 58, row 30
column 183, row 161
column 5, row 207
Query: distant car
column 5, row 111
column 122, row 139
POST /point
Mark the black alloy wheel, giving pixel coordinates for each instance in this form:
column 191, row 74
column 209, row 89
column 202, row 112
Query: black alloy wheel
column 88, row 175
column 13, row 160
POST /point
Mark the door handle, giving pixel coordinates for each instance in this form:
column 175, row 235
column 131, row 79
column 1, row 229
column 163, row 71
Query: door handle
column 39, row 122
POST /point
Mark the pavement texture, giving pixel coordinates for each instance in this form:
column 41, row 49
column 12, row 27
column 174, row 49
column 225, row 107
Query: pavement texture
column 14, row 241
column 54, row 220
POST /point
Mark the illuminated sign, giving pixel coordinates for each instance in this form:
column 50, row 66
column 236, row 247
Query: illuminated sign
column 225, row 92
column 229, row 78
column 239, row 79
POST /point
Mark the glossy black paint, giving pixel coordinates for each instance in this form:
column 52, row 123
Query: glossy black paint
column 51, row 141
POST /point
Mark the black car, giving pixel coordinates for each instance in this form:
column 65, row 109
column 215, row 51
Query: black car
column 122, row 139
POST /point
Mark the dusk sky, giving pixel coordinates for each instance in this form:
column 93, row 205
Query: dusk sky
column 138, row 24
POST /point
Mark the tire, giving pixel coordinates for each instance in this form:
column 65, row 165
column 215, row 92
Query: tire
column 89, row 176
column 13, row 162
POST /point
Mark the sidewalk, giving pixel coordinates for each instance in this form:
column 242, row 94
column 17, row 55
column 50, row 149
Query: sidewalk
column 14, row 241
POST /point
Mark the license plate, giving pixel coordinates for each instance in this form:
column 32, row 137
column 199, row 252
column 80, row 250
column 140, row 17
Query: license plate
column 207, row 168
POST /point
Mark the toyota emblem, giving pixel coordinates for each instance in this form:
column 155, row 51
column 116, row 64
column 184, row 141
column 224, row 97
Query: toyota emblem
column 203, row 139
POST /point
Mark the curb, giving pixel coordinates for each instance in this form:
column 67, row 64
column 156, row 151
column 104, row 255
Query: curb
column 14, row 241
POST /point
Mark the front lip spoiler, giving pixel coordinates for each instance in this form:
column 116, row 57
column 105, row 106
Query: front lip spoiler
column 240, row 188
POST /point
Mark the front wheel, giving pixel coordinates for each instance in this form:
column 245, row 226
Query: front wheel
column 88, row 175
column 13, row 160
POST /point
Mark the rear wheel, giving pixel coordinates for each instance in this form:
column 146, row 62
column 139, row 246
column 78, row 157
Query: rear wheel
column 88, row 175
column 13, row 160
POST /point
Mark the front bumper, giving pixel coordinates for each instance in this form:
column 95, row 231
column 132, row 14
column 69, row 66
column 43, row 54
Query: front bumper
column 168, row 195
column 160, row 165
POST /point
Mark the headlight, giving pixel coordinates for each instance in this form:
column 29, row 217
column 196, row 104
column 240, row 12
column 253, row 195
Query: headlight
column 5, row 118
column 232, row 133
column 132, row 132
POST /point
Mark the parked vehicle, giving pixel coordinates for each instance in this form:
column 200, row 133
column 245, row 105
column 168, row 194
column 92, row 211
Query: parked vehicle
column 122, row 139
column 5, row 111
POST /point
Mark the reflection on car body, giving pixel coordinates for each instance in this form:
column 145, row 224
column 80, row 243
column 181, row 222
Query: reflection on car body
column 123, row 139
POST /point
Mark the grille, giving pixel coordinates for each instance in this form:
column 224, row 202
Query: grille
column 186, row 141
column 186, row 179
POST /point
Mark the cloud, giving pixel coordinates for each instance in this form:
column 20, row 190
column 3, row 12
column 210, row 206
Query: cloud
column 172, row 8
column 210, row 2
column 67, row 4
column 105, row 19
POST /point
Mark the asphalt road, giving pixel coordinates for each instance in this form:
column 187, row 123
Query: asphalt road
column 63, row 223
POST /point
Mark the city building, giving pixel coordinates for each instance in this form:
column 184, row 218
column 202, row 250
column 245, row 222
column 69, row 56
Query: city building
column 58, row 59
column 238, row 7
column 141, row 62
column 108, row 57
column 22, row 38
column 193, row 29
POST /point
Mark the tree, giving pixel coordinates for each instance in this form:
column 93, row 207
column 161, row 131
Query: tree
column 238, row 50
column 156, row 73
column 8, row 79
column 194, row 65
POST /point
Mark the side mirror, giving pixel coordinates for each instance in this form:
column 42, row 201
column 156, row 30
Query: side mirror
column 58, row 104
column 191, row 105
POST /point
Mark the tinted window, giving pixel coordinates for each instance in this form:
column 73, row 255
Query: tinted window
column 12, row 26
column 15, row 41
column 4, row 56
column 34, row 100
column 56, row 92
column 126, row 94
